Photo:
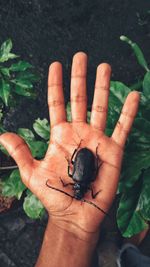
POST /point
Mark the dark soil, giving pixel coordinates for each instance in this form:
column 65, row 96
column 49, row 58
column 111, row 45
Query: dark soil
column 45, row 31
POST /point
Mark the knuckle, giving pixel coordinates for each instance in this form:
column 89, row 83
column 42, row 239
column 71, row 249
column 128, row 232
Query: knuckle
column 18, row 147
column 122, row 128
column 97, row 127
column 127, row 114
column 78, row 98
column 102, row 87
column 78, row 76
column 99, row 108
column 55, row 85
column 55, row 103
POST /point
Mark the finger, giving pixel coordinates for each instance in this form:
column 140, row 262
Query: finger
column 19, row 151
column 126, row 119
column 56, row 101
column 107, row 186
column 101, row 94
column 78, row 88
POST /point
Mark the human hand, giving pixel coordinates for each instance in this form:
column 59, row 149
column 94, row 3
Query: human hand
column 67, row 212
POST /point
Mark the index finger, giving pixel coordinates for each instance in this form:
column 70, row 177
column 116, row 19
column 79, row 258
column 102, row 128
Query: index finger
column 56, row 101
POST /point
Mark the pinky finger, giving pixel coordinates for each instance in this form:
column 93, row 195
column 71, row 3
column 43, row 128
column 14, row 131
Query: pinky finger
column 126, row 119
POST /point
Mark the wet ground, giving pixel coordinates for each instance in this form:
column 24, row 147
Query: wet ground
column 20, row 239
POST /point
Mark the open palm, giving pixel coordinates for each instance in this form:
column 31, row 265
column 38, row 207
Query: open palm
column 65, row 138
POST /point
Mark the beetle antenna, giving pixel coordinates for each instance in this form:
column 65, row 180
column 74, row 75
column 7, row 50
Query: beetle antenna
column 84, row 200
column 93, row 204
column 59, row 190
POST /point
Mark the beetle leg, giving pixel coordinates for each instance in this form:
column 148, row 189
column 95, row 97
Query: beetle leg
column 94, row 195
column 75, row 151
column 65, row 184
column 98, row 162
column 94, row 205
column 69, row 174
column 92, row 192
column 73, row 155
column 59, row 190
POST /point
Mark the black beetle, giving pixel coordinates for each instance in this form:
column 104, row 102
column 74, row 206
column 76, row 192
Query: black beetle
column 85, row 168
column 84, row 172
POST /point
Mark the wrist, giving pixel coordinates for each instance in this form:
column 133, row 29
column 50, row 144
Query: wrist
column 76, row 246
column 73, row 230
column 63, row 246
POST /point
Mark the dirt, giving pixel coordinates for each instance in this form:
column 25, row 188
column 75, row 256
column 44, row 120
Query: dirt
column 5, row 202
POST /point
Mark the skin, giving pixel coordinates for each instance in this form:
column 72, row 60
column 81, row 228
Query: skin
column 73, row 227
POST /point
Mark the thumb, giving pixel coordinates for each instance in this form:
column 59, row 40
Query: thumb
column 20, row 152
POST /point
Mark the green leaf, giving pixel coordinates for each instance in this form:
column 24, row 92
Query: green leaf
column 129, row 219
column 144, row 107
column 88, row 116
column 142, row 125
column 137, row 86
column 1, row 115
column 38, row 148
column 13, row 185
column 32, row 206
column 133, row 165
column 4, row 91
column 2, row 130
column 24, row 83
column 5, row 51
column 5, row 71
column 68, row 109
column 20, row 66
column 135, row 225
column 144, row 200
column 118, row 93
column 108, row 131
column 111, row 120
column 26, row 134
column 6, row 46
column 138, row 52
column 12, row 56
column 146, row 85
column 42, row 128
column 140, row 146
column 20, row 90
column 27, row 75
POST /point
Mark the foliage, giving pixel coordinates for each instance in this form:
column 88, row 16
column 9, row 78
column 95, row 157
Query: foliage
column 16, row 80
column 32, row 206
column 13, row 185
column 134, row 187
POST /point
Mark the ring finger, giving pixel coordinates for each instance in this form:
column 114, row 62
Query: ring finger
column 101, row 94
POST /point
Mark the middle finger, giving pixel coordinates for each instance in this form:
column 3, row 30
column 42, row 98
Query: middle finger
column 101, row 94
column 78, row 87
